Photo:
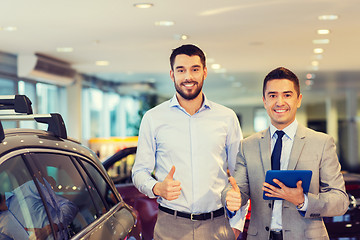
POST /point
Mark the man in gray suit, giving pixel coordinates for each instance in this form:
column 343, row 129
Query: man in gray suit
column 298, row 215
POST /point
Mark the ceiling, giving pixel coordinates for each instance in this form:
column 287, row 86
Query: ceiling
column 248, row 38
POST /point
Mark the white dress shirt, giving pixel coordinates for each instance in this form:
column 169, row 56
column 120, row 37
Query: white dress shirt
column 287, row 143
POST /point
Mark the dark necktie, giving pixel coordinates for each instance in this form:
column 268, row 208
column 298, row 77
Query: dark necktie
column 276, row 154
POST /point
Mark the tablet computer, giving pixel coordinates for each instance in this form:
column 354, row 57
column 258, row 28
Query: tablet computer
column 289, row 178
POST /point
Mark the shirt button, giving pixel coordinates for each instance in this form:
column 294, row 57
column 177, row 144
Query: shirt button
column 267, row 228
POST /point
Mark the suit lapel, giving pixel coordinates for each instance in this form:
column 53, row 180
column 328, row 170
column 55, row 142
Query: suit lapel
column 265, row 149
column 297, row 147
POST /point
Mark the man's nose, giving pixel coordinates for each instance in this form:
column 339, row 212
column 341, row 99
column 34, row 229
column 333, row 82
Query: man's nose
column 188, row 75
column 280, row 100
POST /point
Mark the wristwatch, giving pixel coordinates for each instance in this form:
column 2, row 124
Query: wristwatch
column 300, row 205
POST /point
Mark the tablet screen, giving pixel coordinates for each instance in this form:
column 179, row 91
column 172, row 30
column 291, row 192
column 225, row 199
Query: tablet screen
column 289, row 178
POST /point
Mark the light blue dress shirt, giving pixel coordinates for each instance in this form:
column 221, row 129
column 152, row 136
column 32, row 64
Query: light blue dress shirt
column 288, row 140
column 201, row 147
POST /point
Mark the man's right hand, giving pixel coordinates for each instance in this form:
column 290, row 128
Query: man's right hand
column 169, row 188
column 233, row 197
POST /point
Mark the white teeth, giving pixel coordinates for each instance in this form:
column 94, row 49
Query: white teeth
column 189, row 85
column 280, row 111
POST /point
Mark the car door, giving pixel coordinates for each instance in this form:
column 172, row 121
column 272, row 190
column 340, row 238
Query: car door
column 77, row 200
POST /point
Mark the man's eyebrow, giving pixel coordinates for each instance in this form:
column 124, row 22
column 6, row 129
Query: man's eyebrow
column 193, row 66
column 274, row 92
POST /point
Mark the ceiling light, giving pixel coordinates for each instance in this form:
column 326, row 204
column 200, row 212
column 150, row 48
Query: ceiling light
column 143, row 5
column 215, row 66
column 102, row 63
column 64, row 49
column 181, row 37
column 323, row 31
column 321, row 41
column 8, row 28
column 328, row 17
column 318, row 50
column 164, row 23
column 315, row 63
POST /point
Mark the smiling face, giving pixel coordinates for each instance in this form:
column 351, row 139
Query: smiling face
column 281, row 102
column 188, row 76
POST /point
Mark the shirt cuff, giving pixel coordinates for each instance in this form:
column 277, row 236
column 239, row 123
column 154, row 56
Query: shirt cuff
column 229, row 213
column 149, row 188
column 302, row 210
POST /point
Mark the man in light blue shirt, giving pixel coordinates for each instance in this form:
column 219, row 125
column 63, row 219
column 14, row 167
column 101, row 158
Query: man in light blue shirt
column 188, row 143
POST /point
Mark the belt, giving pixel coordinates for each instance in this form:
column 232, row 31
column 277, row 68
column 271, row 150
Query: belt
column 276, row 235
column 193, row 216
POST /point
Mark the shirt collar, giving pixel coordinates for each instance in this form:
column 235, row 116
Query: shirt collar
column 290, row 130
column 175, row 103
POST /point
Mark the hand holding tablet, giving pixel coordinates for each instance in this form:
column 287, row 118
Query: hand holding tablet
column 289, row 178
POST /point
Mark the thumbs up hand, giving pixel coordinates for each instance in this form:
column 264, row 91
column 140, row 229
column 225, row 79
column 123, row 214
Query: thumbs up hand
column 169, row 188
column 233, row 197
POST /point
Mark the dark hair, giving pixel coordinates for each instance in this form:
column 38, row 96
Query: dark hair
column 190, row 50
column 282, row 73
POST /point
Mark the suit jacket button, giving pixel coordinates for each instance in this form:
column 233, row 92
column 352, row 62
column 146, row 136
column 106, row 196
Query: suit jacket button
column 267, row 228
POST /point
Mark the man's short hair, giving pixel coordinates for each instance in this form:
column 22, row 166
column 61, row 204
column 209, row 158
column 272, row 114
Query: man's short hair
column 282, row 73
column 190, row 50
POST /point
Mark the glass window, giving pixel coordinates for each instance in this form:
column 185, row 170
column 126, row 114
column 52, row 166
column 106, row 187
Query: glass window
column 120, row 171
column 7, row 88
column 261, row 119
column 22, row 212
column 48, row 99
column 86, row 193
column 28, row 89
column 92, row 105
column 67, row 183
column 109, row 114
column 103, row 187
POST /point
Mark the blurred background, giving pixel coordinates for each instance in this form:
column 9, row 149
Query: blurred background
column 103, row 64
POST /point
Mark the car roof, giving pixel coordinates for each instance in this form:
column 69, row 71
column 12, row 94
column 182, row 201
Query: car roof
column 18, row 138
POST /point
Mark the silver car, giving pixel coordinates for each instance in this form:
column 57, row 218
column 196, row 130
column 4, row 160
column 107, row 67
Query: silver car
column 52, row 187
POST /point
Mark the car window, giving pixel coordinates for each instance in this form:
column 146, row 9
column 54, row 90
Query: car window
column 120, row 171
column 103, row 187
column 22, row 212
column 79, row 182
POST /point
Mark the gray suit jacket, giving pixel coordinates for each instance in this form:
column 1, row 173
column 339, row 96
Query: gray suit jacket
column 327, row 197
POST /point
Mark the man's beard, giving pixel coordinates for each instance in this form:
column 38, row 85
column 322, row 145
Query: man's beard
column 189, row 96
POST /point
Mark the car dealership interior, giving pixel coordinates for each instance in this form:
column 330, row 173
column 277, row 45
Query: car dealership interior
column 103, row 64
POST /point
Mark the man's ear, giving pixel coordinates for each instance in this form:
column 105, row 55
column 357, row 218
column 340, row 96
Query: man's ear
column 172, row 75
